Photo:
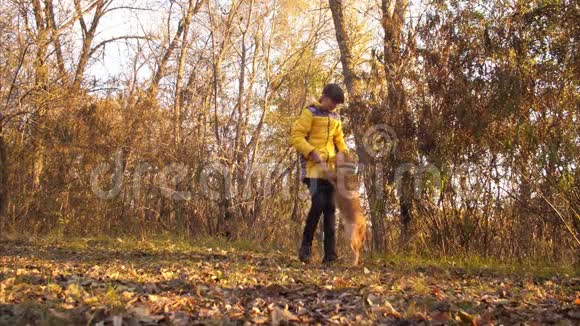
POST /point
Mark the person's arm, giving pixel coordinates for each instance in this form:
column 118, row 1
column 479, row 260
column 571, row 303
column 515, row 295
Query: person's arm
column 339, row 139
column 300, row 130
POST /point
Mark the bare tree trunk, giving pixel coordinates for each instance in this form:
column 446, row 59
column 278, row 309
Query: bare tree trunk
column 49, row 13
column 177, row 107
column 177, row 212
column 41, row 70
column 350, row 78
column 162, row 64
column 88, row 36
column 374, row 182
column 393, row 16
column 41, row 83
column 225, row 217
column 357, row 117
column 242, row 106
column 392, row 22
column 3, row 182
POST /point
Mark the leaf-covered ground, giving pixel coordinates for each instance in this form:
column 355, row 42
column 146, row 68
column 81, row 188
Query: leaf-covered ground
column 111, row 282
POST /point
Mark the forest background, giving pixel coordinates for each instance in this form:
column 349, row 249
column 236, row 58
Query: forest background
column 141, row 118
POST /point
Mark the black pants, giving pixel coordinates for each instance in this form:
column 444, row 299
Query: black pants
column 322, row 196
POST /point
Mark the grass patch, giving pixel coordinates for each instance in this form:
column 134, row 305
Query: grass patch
column 471, row 264
column 475, row 265
column 212, row 279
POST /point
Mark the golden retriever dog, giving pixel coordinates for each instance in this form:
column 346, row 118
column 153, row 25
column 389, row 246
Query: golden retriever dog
column 347, row 200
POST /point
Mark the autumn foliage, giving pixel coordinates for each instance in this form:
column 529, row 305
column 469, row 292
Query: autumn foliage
column 190, row 136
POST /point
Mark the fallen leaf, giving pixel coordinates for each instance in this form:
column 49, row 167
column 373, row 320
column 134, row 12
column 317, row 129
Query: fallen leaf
column 574, row 313
column 59, row 314
column 140, row 311
column 436, row 292
column 117, row 320
column 466, row 318
column 440, row 316
column 378, row 305
column 260, row 320
column 485, row 318
column 390, row 310
column 179, row 318
column 372, row 299
column 282, row 315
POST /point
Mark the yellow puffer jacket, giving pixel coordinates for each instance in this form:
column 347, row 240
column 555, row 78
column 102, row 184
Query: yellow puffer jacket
column 319, row 130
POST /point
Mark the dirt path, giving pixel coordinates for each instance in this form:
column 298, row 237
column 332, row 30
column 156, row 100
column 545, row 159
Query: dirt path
column 112, row 283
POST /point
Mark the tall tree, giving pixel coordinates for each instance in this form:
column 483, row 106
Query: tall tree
column 192, row 8
column 393, row 16
column 3, row 179
column 182, row 27
column 89, row 32
column 358, row 116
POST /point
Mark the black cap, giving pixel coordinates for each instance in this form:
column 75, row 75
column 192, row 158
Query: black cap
column 334, row 92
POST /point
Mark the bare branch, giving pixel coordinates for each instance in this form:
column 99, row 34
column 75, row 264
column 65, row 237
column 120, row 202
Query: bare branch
column 114, row 39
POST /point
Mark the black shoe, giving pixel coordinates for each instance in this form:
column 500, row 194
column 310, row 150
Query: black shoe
column 330, row 259
column 304, row 254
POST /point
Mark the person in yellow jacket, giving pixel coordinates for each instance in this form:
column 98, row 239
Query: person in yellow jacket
column 317, row 135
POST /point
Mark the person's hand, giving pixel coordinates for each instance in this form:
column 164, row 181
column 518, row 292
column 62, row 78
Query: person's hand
column 314, row 157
